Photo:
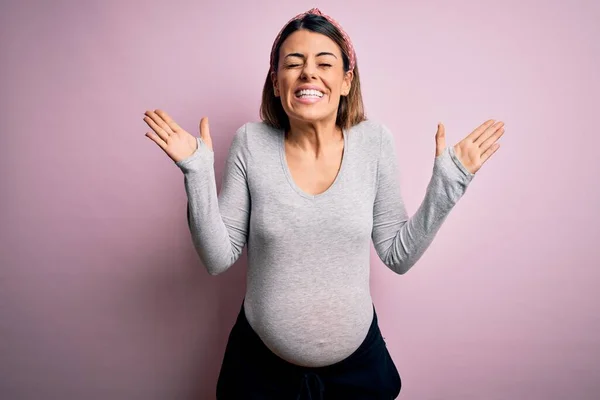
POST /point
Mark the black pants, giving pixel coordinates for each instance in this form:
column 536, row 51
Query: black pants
column 251, row 371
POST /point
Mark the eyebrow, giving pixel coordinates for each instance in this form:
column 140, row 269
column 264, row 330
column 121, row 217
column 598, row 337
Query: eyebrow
column 300, row 55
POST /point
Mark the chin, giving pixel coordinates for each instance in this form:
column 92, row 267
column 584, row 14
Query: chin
column 313, row 115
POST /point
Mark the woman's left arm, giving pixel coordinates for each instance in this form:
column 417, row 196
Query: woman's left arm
column 399, row 240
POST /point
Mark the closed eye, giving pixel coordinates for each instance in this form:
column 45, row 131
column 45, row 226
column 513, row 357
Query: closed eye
column 297, row 65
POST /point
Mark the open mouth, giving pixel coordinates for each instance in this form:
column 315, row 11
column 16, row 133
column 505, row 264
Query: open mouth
column 309, row 94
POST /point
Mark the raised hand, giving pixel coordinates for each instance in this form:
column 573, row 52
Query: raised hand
column 477, row 147
column 174, row 140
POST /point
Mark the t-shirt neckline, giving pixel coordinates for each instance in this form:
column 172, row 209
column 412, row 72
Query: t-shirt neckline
column 288, row 173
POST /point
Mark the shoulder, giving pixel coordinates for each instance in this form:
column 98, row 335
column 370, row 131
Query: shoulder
column 371, row 135
column 371, row 130
column 253, row 131
column 256, row 137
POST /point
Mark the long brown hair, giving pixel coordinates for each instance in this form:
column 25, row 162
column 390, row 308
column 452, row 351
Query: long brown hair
column 350, row 110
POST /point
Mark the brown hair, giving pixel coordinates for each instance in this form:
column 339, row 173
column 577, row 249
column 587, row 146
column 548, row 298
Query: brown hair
column 350, row 110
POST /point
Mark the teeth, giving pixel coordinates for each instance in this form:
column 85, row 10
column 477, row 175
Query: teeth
column 309, row 93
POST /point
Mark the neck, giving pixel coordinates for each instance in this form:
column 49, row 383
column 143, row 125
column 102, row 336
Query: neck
column 313, row 137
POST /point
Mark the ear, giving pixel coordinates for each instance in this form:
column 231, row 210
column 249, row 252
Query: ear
column 275, row 84
column 347, row 84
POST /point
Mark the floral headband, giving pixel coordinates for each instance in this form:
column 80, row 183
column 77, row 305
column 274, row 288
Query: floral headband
column 316, row 11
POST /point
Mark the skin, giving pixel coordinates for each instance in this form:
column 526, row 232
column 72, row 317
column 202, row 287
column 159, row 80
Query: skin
column 314, row 144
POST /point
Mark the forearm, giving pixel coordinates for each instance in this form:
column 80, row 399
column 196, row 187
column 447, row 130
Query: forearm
column 448, row 183
column 209, row 233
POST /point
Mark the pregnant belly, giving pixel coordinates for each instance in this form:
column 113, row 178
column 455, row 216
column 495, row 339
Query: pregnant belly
column 311, row 330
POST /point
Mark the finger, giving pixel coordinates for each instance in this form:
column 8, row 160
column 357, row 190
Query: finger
column 205, row 131
column 489, row 132
column 156, row 139
column 491, row 140
column 159, row 131
column 440, row 139
column 488, row 153
column 159, row 121
column 168, row 120
column 480, row 129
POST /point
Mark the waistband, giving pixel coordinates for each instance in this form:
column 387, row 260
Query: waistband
column 311, row 385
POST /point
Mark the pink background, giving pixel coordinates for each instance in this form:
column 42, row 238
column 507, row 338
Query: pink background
column 101, row 293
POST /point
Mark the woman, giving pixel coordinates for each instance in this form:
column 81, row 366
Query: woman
column 307, row 189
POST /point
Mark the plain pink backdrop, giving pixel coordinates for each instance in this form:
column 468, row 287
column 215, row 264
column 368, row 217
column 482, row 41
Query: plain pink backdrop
column 101, row 293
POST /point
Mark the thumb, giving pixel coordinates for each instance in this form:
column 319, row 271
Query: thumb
column 440, row 139
column 205, row 132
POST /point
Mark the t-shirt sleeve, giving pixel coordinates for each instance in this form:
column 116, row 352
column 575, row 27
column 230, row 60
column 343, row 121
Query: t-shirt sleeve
column 399, row 240
column 218, row 223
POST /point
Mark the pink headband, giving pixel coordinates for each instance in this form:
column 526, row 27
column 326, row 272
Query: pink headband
column 316, row 11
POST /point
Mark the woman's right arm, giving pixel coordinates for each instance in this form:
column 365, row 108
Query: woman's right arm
column 218, row 223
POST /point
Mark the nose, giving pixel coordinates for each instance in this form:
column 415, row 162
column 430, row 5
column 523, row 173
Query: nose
column 309, row 71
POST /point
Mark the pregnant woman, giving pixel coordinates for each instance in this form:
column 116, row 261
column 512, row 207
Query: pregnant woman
column 307, row 189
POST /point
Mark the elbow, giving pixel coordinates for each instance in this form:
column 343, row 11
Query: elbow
column 399, row 265
column 215, row 268
column 215, row 271
column 218, row 265
column 400, row 268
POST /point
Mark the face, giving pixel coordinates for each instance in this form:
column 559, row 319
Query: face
column 310, row 77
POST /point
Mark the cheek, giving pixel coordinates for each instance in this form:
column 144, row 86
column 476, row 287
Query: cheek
column 334, row 86
column 286, row 79
column 333, row 82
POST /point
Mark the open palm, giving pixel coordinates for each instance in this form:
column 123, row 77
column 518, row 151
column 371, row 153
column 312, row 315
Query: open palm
column 174, row 140
column 477, row 147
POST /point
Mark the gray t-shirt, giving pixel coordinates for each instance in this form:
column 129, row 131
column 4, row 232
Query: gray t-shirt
column 307, row 294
